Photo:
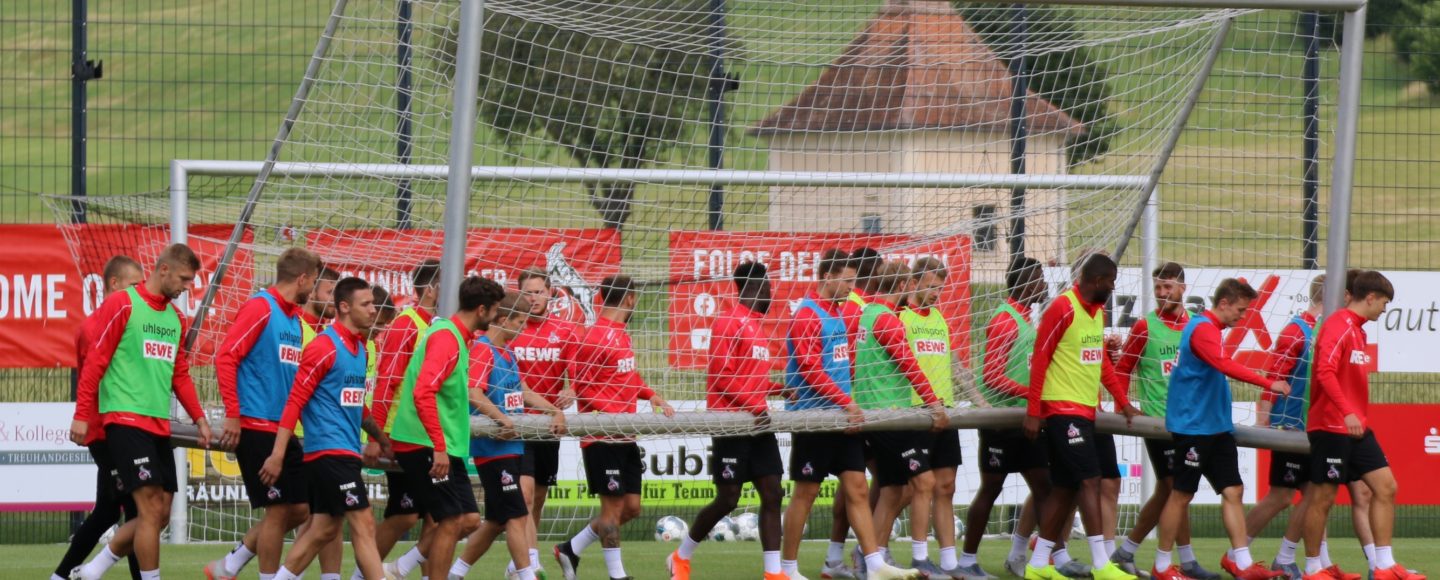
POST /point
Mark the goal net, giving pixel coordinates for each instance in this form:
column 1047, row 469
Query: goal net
column 1043, row 123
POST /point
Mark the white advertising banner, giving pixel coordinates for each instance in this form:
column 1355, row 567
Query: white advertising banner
column 40, row 469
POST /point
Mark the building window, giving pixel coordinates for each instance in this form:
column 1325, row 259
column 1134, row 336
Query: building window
column 986, row 233
column 870, row 223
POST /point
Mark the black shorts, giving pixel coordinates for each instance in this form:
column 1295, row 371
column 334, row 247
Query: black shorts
column 1214, row 456
column 541, row 462
column 438, row 498
column 899, row 455
column 141, row 458
column 1162, row 457
column 1109, row 459
column 612, row 469
column 1290, row 470
column 1010, row 451
column 815, row 456
column 1336, row 458
column 500, row 479
column 1074, row 452
column 401, row 502
column 945, row 450
column 252, row 451
column 336, row 485
column 107, row 479
column 736, row 460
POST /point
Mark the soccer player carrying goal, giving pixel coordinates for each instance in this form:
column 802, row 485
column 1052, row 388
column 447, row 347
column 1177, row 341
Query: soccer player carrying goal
column 1005, row 382
column 255, row 369
column 133, row 366
column 119, row 273
column 737, row 378
column 1066, row 373
column 431, row 430
column 1146, row 363
column 329, row 396
column 1197, row 415
column 497, row 392
column 1342, row 447
column 602, row 364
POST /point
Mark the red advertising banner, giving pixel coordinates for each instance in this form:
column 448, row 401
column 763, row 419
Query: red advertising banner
column 45, row 291
column 576, row 260
column 701, row 264
column 1410, row 436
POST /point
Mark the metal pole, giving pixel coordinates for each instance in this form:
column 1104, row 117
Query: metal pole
column 1173, row 138
column 80, row 74
column 1149, row 260
column 297, row 104
column 1019, row 132
column 462, row 144
column 180, row 234
column 1337, row 248
column 404, row 131
column 1310, row 187
column 719, row 83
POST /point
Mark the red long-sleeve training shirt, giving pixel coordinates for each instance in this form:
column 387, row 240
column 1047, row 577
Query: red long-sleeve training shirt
column 1053, row 324
column 737, row 375
column 1341, row 384
column 442, row 353
column 1000, row 336
column 1205, row 343
column 1289, row 349
column 1134, row 348
column 111, row 319
column 396, row 347
column 244, row 332
column 805, row 334
column 851, row 312
column 539, row 352
column 316, row 361
column 890, row 333
column 83, row 339
column 603, row 374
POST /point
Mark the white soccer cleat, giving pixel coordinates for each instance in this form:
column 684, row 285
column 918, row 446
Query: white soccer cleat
column 392, row 571
column 888, row 572
column 837, row 572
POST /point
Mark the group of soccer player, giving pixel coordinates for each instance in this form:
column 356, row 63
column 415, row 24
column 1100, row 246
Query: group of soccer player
column 867, row 337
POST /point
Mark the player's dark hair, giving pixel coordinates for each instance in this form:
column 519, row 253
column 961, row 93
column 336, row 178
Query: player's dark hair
column 1095, row 266
column 929, row 265
column 328, row 274
column 513, row 305
column 865, row 260
column 1021, row 269
column 425, row 275
column 614, row 289
column 886, row 278
column 477, row 292
column 1169, row 271
column 1370, row 282
column 1231, row 290
column 832, row 261
column 346, row 289
column 749, row 278
column 117, row 265
column 530, row 273
column 1317, row 290
column 297, row 262
column 1350, row 276
column 383, row 302
column 178, row 256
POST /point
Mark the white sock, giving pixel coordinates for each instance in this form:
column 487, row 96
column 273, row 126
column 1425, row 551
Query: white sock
column 1369, row 555
column 613, row 563
column 1187, row 553
column 1325, row 553
column 1286, row 555
column 919, row 550
column 1242, row 558
column 150, row 575
column 835, row 553
column 1061, row 556
column 1384, row 557
column 1313, row 565
column 1109, row 548
column 583, row 540
column 510, row 567
column 284, row 574
column 687, row 548
column 966, row 559
column 268, row 577
column 534, row 559
column 324, row 576
column 56, row 577
column 97, row 566
column 1130, row 545
column 772, row 562
column 459, row 568
column 356, row 576
column 1041, row 557
column 874, row 561
column 1098, row 556
column 237, row 559
column 791, row 568
column 410, row 560
column 1162, row 560
column 527, row 573
column 884, row 551
column 1018, row 545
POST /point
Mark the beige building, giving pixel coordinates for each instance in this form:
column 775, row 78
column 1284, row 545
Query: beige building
column 917, row 91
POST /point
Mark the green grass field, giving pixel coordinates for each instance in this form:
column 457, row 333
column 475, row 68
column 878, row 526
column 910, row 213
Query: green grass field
column 714, row 561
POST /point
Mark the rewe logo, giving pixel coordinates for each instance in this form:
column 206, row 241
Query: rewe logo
column 759, row 352
column 1166, row 367
column 352, row 397
column 1091, row 356
column 931, row 347
column 1432, row 442
column 841, row 353
column 156, row 350
column 625, row 365
column 514, row 401
column 289, row 355
column 1358, row 357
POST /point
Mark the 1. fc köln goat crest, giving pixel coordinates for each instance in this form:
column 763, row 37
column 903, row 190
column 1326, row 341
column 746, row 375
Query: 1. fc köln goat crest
column 575, row 299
